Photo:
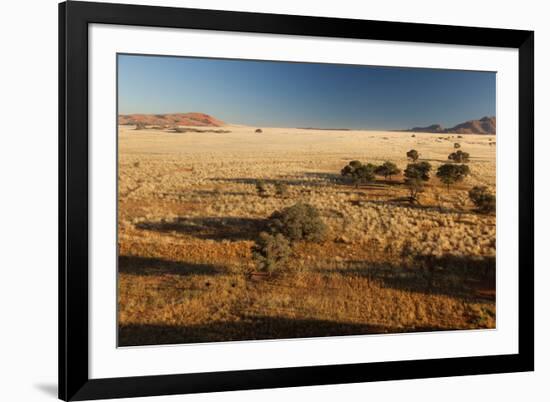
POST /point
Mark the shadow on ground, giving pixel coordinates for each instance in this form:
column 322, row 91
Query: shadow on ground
column 307, row 179
column 406, row 202
column 250, row 328
column 144, row 266
column 218, row 228
column 315, row 179
column 470, row 278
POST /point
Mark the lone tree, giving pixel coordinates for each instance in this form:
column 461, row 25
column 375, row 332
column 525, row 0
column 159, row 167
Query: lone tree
column 270, row 252
column 456, row 145
column 450, row 173
column 261, row 188
column 350, row 168
column 358, row 172
column 387, row 169
column 420, row 170
column 413, row 155
column 484, row 200
column 459, row 157
column 416, row 174
column 299, row 222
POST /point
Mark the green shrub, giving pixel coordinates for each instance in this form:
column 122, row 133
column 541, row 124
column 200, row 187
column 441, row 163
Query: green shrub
column 270, row 252
column 456, row 145
column 459, row 157
column 298, row 222
column 450, row 173
column 483, row 199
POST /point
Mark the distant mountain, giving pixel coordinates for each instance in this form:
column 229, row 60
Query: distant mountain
column 485, row 125
column 434, row 128
column 171, row 119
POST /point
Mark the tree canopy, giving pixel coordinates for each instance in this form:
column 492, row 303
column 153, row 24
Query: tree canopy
column 387, row 169
column 450, row 173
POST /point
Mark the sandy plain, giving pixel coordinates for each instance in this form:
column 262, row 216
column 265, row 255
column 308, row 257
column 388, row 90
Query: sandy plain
column 189, row 213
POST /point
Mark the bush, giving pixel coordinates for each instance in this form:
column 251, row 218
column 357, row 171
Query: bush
column 483, row 199
column 270, row 252
column 281, row 189
column 450, row 173
column 140, row 125
column 413, row 155
column 358, row 172
column 460, row 157
column 298, row 222
column 387, row 169
column 261, row 188
column 258, row 131
column 456, row 145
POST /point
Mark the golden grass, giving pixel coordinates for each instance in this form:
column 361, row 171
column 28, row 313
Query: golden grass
column 189, row 212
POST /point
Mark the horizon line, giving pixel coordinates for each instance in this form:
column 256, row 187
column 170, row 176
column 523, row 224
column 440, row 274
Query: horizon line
column 410, row 127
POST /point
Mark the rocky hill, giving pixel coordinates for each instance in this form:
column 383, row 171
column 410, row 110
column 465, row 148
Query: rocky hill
column 171, row 119
column 485, row 125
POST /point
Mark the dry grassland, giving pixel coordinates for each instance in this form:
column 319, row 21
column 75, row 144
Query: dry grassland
column 189, row 213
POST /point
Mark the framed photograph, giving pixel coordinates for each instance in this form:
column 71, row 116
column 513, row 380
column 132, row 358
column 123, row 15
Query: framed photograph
column 258, row 201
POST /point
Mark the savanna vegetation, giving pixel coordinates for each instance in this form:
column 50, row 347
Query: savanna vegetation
column 302, row 233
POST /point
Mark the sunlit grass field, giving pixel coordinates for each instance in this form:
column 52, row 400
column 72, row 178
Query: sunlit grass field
column 189, row 212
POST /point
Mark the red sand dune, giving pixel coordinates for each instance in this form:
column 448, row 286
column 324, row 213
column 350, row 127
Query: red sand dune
column 171, row 119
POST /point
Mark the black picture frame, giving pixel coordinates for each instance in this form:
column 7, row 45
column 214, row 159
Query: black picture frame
column 74, row 381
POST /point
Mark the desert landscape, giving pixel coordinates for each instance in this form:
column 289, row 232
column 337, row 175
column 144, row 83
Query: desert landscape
column 231, row 232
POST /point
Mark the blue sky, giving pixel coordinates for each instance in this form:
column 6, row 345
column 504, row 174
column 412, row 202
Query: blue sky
column 280, row 94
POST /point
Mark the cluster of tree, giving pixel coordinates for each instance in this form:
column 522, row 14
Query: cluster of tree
column 365, row 173
column 416, row 173
column 302, row 222
column 359, row 172
column 299, row 222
